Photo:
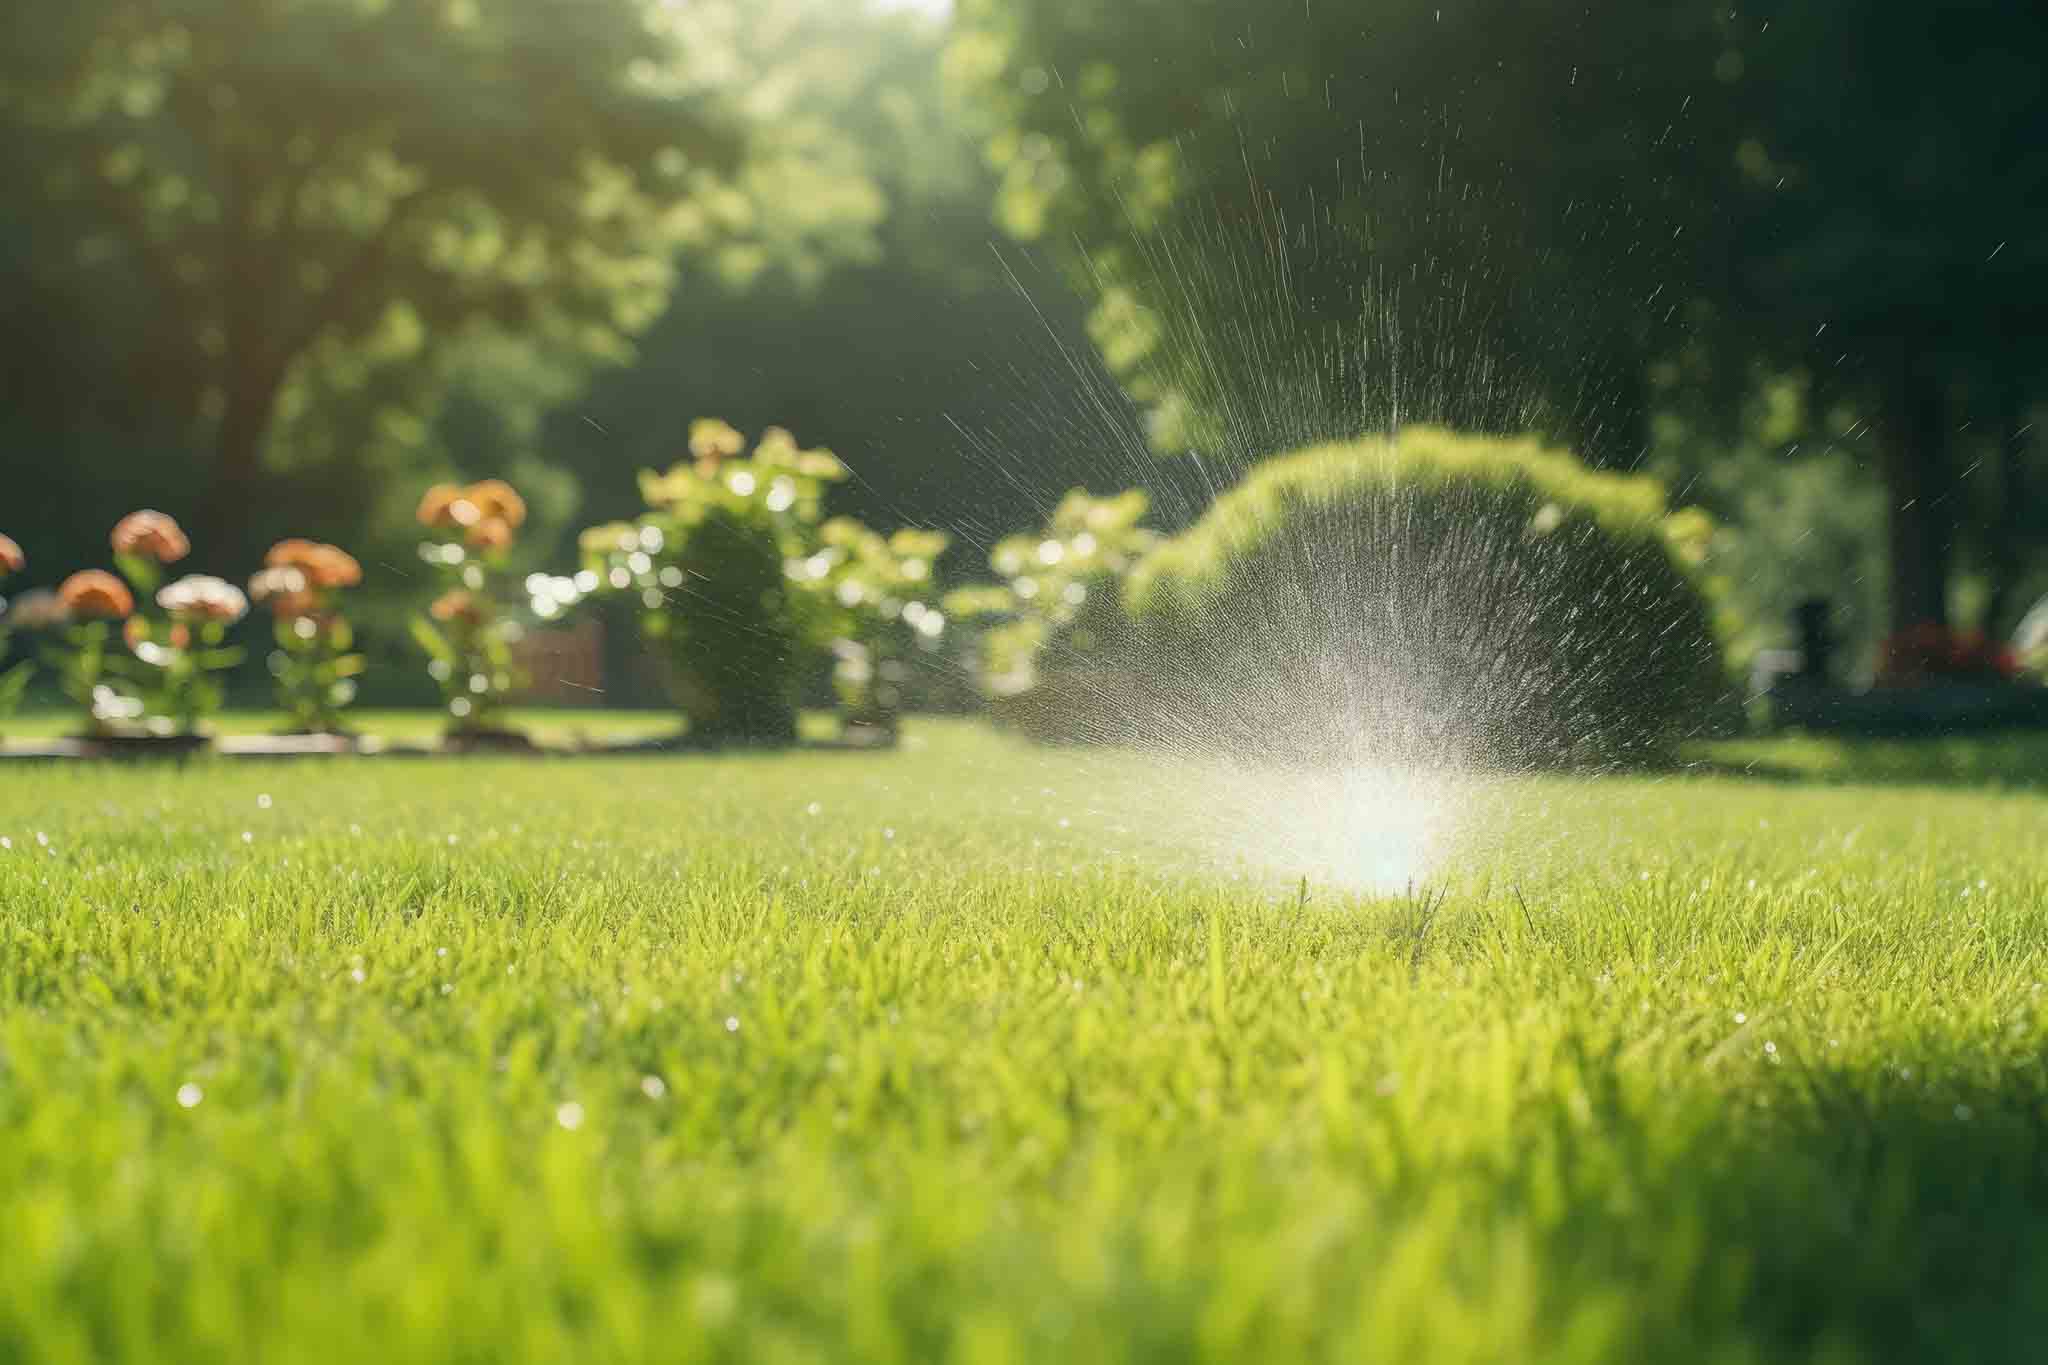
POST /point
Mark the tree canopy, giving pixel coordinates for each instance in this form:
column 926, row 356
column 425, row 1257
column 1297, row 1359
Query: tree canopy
column 277, row 210
column 1886, row 239
column 1347, row 217
column 1303, row 220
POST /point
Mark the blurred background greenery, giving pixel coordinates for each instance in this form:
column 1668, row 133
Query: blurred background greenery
column 274, row 265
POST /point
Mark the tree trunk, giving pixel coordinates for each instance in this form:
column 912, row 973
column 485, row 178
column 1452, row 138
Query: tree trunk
column 2008, row 536
column 1920, row 485
column 225, row 538
column 225, row 535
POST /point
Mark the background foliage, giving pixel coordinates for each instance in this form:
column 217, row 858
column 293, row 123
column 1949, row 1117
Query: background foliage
column 304, row 256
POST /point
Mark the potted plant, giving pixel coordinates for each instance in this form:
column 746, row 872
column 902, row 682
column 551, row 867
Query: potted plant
column 467, row 637
column 167, row 684
column 314, row 661
column 178, row 657
column 13, row 679
column 88, row 603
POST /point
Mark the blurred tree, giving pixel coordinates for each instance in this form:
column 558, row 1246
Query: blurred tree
column 1501, row 215
column 1795, row 516
column 1893, row 163
column 912, row 353
column 1316, row 216
column 269, row 202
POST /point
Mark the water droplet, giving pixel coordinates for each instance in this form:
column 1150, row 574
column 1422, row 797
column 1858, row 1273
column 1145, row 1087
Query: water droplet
column 569, row 1115
column 189, row 1095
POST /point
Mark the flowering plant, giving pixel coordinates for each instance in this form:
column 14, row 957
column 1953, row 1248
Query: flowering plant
column 1061, row 599
column 712, row 563
column 176, row 652
column 13, row 681
column 467, row 638
column 1931, row 652
column 85, row 606
column 878, row 590
column 182, row 653
column 301, row 583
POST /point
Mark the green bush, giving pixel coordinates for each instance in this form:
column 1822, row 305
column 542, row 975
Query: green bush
column 718, row 564
column 1430, row 596
column 880, row 620
column 1056, row 657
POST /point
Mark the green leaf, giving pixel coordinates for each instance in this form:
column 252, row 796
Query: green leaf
column 432, row 640
column 144, row 575
column 13, row 683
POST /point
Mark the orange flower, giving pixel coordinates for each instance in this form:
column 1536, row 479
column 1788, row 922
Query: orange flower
column 324, row 566
column 294, row 553
column 12, row 560
column 490, row 534
column 496, row 498
column 285, row 589
column 95, row 592
column 337, row 568
column 446, row 505
column 459, row 606
column 151, row 535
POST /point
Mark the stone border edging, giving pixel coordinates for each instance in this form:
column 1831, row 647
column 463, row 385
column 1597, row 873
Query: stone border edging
column 246, row 747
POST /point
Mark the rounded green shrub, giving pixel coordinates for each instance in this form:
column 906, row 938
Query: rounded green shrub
column 1427, row 597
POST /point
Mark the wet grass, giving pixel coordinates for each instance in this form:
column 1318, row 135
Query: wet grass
column 2015, row 759
column 873, row 1058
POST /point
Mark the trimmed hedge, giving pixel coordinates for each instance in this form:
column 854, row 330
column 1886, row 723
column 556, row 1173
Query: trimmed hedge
column 1426, row 597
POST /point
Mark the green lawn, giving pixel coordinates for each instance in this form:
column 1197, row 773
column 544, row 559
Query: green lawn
column 978, row 1052
column 2013, row 760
